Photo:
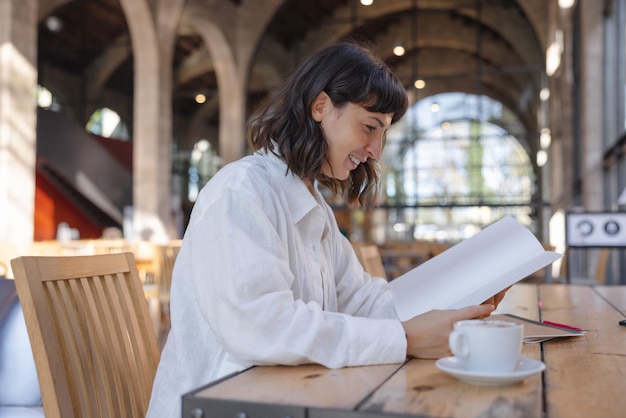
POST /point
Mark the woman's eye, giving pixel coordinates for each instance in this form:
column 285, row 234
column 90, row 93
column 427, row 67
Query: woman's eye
column 370, row 128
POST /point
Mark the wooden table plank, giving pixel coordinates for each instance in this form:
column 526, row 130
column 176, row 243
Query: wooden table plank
column 308, row 385
column 419, row 388
column 615, row 295
column 521, row 300
column 586, row 375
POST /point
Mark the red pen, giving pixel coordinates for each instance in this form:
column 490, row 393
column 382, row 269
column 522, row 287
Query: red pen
column 556, row 324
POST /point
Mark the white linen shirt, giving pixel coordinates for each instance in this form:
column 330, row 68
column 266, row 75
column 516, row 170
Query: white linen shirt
column 264, row 277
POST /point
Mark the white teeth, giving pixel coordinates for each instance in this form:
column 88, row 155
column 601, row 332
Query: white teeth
column 355, row 160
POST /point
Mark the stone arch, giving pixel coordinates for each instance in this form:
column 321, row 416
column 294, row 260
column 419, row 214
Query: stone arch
column 232, row 38
column 105, row 65
column 47, row 7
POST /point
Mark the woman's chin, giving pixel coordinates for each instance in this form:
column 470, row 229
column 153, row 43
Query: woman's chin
column 342, row 175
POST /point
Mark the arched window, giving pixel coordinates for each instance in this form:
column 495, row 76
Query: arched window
column 455, row 163
column 108, row 124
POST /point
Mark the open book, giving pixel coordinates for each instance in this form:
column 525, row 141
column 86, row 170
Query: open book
column 538, row 332
column 471, row 271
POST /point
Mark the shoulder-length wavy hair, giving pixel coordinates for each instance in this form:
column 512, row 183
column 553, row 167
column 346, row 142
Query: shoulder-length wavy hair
column 349, row 73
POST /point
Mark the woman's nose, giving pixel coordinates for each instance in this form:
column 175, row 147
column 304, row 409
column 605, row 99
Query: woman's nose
column 375, row 147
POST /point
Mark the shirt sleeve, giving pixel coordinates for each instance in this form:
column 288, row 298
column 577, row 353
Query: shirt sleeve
column 241, row 274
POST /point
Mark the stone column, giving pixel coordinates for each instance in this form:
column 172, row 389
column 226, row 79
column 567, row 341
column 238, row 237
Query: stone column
column 152, row 34
column 18, row 147
column 592, row 111
column 578, row 122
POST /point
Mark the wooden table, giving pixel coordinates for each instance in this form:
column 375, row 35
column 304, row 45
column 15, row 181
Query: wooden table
column 584, row 376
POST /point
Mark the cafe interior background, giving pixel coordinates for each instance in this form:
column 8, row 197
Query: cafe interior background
column 115, row 113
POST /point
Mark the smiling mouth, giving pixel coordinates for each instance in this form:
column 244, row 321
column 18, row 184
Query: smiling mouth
column 355, row 160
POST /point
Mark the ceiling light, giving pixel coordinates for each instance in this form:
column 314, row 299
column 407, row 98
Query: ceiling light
column 434, row 107
column 54, row 24
column 566, row 4
column 367, row 2
column 419, row 84
column 544, row 94
column 398, row 50
column 200, row 98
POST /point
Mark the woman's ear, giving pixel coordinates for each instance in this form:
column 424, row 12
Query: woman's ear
column 319, row 106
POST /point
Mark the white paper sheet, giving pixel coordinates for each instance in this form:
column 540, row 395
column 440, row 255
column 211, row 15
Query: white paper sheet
column 471, row 271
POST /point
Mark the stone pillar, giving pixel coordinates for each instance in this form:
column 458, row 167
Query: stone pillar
column 18, row 147
column 231, row 93
column 578, row 121
column 561, row 112
column 152, row 35
column 592, row 111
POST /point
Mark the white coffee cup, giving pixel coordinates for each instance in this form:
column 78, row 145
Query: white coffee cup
column 487, row 345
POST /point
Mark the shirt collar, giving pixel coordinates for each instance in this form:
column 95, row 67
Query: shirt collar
column 299, row 198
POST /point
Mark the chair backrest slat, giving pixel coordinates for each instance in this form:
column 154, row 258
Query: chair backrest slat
column 92, row 337
column 72, row 339
column 100, row 347
column 119, row 328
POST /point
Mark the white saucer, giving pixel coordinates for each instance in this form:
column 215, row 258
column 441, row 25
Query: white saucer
column 525, row 367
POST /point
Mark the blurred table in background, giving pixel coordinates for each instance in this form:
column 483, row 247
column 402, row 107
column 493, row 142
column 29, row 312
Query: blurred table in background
column 155, row 263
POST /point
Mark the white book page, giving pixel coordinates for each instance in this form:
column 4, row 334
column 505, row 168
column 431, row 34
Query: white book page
column 471, row 271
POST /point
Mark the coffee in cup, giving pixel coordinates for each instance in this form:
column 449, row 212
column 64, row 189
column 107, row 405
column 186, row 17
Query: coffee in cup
column 485, row 345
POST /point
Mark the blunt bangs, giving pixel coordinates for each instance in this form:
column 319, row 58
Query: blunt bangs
column 387, row 95
column 364, row 79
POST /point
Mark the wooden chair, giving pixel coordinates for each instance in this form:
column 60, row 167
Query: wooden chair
column 370, row 258
column 94, row 346
column 599, row 276
column 603, row 262
column 164, row 258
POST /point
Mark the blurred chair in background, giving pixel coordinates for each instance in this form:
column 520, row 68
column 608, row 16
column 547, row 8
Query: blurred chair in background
column 370, row 258
column 20, row 396
column 164, row 258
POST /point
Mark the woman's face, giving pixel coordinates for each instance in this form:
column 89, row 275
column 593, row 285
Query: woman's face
column 353, row 134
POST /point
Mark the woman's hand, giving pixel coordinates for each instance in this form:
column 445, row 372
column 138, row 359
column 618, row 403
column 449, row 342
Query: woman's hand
column 495, row 300
column 427, row 334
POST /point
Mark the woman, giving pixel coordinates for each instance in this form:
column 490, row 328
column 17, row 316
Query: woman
column 264, row 275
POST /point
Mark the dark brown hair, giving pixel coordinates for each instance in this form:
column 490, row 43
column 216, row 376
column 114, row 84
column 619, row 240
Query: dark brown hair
column 348, row 73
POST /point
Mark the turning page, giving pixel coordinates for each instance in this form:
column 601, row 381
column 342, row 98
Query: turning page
column 471, row 271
